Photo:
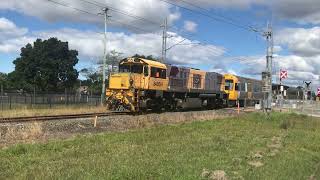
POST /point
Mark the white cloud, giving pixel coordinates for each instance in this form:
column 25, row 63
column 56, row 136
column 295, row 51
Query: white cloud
column 90, row 44
column 190, row 26
column 304, row 42
column 8, row 29
column 304, row 12
column 277, row 49
column 153, row 11
column 11, row 36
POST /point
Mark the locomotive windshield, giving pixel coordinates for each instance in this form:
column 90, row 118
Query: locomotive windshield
column 229, row 85
column 132, row 68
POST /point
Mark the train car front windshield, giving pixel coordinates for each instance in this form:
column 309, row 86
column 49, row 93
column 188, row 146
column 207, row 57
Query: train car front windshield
column 131, row 68
column 229, row 85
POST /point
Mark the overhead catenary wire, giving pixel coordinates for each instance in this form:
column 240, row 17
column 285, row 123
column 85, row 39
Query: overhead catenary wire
column 206, row 44
column 101, row 5
column 93, row 14
column 216, row 14
column 250, row 29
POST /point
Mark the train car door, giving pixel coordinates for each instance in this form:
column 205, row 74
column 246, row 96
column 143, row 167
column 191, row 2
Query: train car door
column 146, row 76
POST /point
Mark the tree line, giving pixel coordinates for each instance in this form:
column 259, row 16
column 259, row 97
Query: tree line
column 49, row 66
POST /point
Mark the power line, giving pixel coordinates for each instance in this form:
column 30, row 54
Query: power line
column 208, row 46
column 101, row 5
column 216, row 14
column 212, row 17
column 215, row 51
column 93, row 14
column 77, row 9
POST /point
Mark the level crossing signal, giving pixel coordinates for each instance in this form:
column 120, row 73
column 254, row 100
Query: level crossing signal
column 283, row 74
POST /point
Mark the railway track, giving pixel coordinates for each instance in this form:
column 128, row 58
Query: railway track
column 58, row 117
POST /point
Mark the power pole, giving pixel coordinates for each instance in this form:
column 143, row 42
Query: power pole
column 267, row 75
column 164, row 40
column 103, row 94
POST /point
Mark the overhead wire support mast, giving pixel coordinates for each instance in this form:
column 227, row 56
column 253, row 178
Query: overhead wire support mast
column 164, row 40
column 267, row 75
column 103, row 92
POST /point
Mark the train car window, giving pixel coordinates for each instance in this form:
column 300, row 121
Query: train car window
column 158, row 73
column 229, row 85
column 124, row 68
column 137, row 68
column 146, row 71
column 237, row 87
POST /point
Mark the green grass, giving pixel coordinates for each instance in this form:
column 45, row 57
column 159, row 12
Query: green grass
column 177, row 152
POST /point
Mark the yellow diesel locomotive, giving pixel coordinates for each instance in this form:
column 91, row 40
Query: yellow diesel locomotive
column 143, row 84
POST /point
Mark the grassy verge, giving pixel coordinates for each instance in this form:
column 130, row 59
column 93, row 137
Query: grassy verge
column 282, row 146
column 56, row 110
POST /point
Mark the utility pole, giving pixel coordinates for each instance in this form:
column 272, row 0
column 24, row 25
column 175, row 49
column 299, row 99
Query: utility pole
column 267, row 75
column 164, row 40
column 103, row 94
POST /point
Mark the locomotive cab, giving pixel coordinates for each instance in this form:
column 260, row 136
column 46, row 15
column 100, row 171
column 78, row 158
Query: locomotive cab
column 231, row 88
column 244, row 90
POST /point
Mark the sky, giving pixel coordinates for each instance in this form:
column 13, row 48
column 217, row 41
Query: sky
column 218, row 35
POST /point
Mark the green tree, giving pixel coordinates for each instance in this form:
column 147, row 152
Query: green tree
column 112, row 61
column 47, row 65
column 93, row 80
column 3, row 82
column 150, row 57
column 93, row 75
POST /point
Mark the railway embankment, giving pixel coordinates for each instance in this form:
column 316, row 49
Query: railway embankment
column 43, row 131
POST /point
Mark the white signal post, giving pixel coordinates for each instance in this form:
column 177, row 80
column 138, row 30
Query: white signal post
column 283, row 75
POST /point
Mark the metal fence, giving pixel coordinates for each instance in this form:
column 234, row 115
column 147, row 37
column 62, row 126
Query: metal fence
column 308, row 107
column 15, row 101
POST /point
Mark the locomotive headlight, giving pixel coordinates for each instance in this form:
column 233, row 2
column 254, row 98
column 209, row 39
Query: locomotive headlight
column 131, row 82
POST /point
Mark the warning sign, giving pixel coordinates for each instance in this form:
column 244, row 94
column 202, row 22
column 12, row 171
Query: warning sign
column 283, row 74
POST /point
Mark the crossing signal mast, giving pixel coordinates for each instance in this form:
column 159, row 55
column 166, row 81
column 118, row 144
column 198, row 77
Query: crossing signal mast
column 267, row 74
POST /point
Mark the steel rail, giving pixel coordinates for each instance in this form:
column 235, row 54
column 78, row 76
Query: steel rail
column 58, row 117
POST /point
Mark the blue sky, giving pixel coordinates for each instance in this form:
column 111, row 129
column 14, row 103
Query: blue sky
column 227, row 49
